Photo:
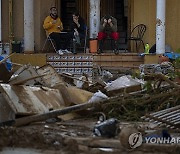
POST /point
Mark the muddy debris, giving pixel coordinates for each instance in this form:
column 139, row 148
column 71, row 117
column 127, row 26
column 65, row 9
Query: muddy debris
column 47, row 111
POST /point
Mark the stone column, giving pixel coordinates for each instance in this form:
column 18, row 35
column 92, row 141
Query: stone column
column 160, row 26
column 94, row 18
column 28, row 26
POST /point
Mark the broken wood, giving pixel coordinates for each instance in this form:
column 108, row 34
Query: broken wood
column 148, row 99
column 24, row 81
column 162, row 77
column 52, row 114
column 75, row 78
column 17, row 64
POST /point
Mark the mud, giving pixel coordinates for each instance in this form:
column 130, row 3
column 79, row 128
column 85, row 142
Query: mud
column 45, row 136
column 70, row 137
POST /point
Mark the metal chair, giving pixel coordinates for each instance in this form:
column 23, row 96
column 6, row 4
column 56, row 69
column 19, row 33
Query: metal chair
column 51, row 42
column 137, row 35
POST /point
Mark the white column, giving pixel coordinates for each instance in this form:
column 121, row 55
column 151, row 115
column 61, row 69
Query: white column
column 0, row 21
column 94, row 18
column 28, row 25
column 160, row 26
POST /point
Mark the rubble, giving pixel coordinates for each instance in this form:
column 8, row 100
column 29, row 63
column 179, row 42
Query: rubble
column 124, row 83
column 164, row 68
column 29, row 100
column 40, row 98
column 169, row 117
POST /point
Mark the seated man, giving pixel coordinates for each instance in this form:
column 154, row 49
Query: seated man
column 53, row 26
column 78, row 29
column 108, row 27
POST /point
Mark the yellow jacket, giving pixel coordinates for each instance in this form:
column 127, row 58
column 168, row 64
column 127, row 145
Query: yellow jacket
column 50, row 27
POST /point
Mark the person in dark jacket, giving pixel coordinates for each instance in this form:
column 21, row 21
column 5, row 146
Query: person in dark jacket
column 108, row 27
column 78, row 29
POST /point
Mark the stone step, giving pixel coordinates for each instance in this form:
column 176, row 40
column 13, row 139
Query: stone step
column 123, row 46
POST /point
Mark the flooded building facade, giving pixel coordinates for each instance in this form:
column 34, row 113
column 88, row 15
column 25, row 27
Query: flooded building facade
column 129, row 13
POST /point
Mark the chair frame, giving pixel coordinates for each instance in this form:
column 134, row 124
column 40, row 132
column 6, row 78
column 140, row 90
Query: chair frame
column 141, row 29
column 51, row 42
column 54, row 47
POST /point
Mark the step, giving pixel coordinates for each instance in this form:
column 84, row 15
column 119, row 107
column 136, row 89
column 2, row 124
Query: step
column 123, row 46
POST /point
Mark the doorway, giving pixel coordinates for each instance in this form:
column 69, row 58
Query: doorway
column 119, row 10
column 121, row 14
column 67, row 8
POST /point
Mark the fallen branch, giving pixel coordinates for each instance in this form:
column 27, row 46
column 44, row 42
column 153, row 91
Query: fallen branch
column 151, row 98
column 145, row 99
column 162, row 77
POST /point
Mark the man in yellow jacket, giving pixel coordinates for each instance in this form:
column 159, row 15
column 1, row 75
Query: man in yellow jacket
column 53, row 27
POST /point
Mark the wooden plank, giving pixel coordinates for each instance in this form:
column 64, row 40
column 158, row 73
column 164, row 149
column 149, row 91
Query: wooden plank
column 26, row 100
column 55, row 113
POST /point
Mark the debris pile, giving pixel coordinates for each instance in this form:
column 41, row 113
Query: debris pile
column 39, row 95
